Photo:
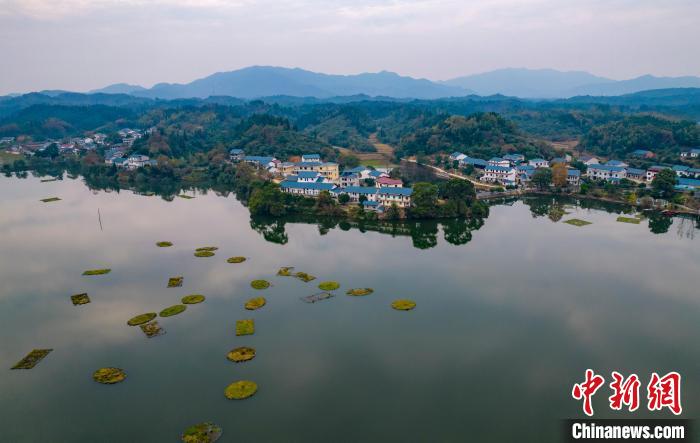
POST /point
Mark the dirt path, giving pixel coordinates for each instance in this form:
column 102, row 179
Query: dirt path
column 442, row 172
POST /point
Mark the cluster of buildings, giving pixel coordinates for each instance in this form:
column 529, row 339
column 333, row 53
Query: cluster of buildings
column 311, row 176
column 74, row 145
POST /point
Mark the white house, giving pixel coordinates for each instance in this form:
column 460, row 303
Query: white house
column 499, row 174
column 589, row 160
column 307, row 189
column 652, row 171
column 388, row 182
column 457, row 156
column 399, row 196
column 539, row 163
column 573, row 177
column 605, row 172
column 498, row 161
column 311, row 158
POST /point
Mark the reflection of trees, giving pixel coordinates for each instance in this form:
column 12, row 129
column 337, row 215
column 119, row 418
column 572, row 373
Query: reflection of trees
column 326, row 224
column 424, row 234
column 659, row 223
column 686, row 227
column 272, row 230
column 458, row 231
column 539, row 206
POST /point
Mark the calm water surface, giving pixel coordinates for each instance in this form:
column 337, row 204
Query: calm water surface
column 505, row 323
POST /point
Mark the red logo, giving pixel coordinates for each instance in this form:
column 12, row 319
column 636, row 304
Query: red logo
column 625, row 392
column 587, row 389
column 665, row 392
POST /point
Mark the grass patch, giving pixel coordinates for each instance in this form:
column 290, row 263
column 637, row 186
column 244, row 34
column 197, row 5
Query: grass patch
column 80, row 299
column 193, row 299
column 50, row 199
column 245, row 327
column 634, row 221
column 577, row 222
column 32, row 359
column 303, row 276
column 202, row 433
column 255, row 303
column 403, row 305
column 329, row 285
column 141, row 319
column 235, row 260
column 186, row 197
column 109, row 376
column 97, row 272
column 164, row 244
column 175, row 282
column 240, row 390
column 260, row 284
column 172, row 310
column 241, row 354
column 358, row 292
column 203, row 254
column 313, row 298
column 207, row 249
column 285, row 271
column 47, row 180
column 152, row 329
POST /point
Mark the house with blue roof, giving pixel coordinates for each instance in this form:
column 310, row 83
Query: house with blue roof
column 636, row 174
column 653, row 170
column 539, row 163
column 501, row 174
column 514, row 158
column 606, row 172
column 310, row 158
column 692, row 153
column 680, row 170
column 573, row 177
column 475, row 162
column 236, row 154
column 688, row 184
column 348, row 178
column 260, row 161
column 498, row 161
column 556, row 160
column 308, row 176
column 306, row 189
column 642, row 153
column 619, row 163
column 457, row 156
column 401, row 197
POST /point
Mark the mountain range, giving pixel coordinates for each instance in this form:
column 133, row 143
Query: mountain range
column 266, row 81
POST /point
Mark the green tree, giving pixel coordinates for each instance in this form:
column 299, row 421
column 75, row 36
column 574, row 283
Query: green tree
column 665, row 182
column 424, row 201
column 542, row 178
column 267, row 200
column 393, row 213
column 343, row 198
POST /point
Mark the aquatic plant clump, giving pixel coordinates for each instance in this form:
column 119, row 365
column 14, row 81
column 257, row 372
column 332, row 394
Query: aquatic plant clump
column 285, row 271
column 303, row 276
column 50, row 199
column 329, row 285
column 193, row 299
column 186, row 197
column 403, row 305
column 204, row 254
column 175, row 282
column 152, row 329
column 260, row 284
column 202, row 433
column 634, row 221
column 244, row 353
column 109, row 376
column 97, row 271
column 141, row 319
column 317, row 297
column 240, row 390
column 235, row 260
column 32, row 359
column 255, row 303
column 172, row 310
column 358, row 292
column 207, row 249
column 164, row 244
column 80, row 299
column 245, row 327
column 577, row 222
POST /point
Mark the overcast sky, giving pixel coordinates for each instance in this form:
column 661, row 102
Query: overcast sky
column 84, row 44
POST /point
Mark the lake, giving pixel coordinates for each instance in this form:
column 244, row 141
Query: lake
column 509, row 315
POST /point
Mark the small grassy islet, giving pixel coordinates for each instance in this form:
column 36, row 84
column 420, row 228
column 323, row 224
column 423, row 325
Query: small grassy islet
column 80, row 299
column 164, row 244
column 175, row 282
column 32, row 359
column 109, row 376
column 97, row 271
column 204, row 254
column 241, row 354
column 329, row 285
column 255, row 303
column 193, row 299
column 285, row 271
column 245, row 327
column 359, row 292
column 141, row 319
column 240, row 390
column 207, row 249
column 303, row 276
column 152, row 329
column 634, row 221
column 260, row 284
column 577, row 222
column 172, row 310
column 235, row 260
column 50, row 199
column 403, row 305
column 206, row 432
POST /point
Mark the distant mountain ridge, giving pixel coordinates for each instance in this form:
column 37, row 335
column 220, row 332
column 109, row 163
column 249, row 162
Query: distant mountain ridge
column 265, row 81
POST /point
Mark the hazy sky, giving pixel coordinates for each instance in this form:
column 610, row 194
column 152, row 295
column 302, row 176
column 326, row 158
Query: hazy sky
column 85, row 44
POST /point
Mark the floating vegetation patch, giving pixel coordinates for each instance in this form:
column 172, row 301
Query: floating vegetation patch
column 97, row 271
column 175, row 282
column 260, row 284
column 303, row 276
column 634, row 221
column 186, row 197
column 244, row 353
column 203, row 254
column 235, row 260
column 80, row 299
column 255, row 303
column 141, row 319
column 172, row 310
column 164, row 244
column 32, row 359
column 245, row 327
column 109, row 376
column 329, row 285
column 358, row 292
column 285, row 271
column 577, row 222
column 240, row 390
column 152, row 329
column 50, row 199
column 193, row 299
column 403, row 305
column 46, row 180
column 202, row 433
column 317, row 297
column 207, row 249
